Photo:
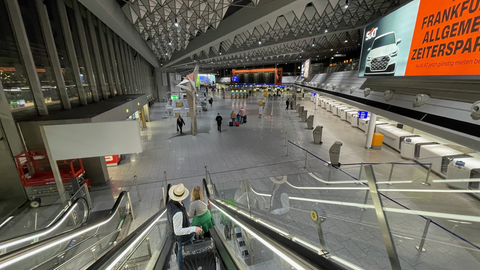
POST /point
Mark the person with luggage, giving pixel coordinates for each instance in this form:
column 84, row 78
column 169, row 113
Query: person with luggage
column 178, row 220
column 210, row 101
column 242, row 114
column 288, row 102
column 180, row 124
column 219, row 123
column 200, row 213
column 233, row 116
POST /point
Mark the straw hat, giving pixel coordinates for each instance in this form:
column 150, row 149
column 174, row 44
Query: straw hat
column 178, row 192
column 279, row 179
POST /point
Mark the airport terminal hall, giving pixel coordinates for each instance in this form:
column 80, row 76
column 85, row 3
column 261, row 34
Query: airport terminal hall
column 239, row 134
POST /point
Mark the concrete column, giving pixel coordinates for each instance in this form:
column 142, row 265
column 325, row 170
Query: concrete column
column 92, row 82
column 96, row 55
column 132, row 70
column 26, row 55
column 96, row 170
column 370, row 130
column 106, row 55
column 72, row 55
column 52, row 53
column 127, row 67
column 113, row 61
column 118, row 56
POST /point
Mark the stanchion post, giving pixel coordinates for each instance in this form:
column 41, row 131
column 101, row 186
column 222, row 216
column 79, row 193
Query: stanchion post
column 428, row 176
column 391, row 173
column 424, row 236
column 306, row 155
column 135, row 179
column 287, row 149
column 360, row 173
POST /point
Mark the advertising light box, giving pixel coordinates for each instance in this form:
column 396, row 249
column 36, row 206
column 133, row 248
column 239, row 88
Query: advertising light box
column 424, row 38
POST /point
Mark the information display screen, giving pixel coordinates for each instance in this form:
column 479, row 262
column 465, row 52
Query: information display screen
column 424, row 38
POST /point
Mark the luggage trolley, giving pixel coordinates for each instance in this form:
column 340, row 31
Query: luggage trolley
column 440, row 156
column 36, row 175
column 464, row 168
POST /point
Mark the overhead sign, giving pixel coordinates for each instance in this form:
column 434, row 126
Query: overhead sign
column 362, row 114
column 439, row 38
column 174, row 97
column 234, row 78
column 306, row 68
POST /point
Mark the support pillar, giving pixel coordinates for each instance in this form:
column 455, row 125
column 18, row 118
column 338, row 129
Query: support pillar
column 26, row 55
column 120, row 64
column 96, row 55
column 370, row 130
column 52, row 53
column 113, row 61
column 106, row 57
column 72, row 55
column 86, row 54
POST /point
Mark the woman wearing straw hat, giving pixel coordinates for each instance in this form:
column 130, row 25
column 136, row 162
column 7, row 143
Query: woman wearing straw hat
column 178, row 219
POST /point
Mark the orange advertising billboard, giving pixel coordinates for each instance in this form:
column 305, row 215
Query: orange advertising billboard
column 446, row 40
column 424, row 38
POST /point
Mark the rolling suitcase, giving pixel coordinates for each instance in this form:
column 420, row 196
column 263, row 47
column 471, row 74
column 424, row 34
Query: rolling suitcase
column 199, row 254
column 237, row 123
column 230, row 123
column 245, row 119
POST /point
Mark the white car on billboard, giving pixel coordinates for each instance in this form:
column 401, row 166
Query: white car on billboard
column 382, row 55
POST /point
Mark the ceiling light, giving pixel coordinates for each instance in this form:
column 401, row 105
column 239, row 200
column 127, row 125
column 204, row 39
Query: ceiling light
column 331, row 49
column 326, row 30
column 313, row 45
column 346, row 41
column 220, row 53
column 176, row 23
column 259, row 43
column 346, row 3
column 170, row 43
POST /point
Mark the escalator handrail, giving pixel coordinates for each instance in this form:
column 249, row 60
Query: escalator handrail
column 134, row 238
column 31, row 250
column 291, row 246
column 51, row 227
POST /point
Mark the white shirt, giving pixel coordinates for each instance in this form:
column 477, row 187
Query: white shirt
column 178, row 225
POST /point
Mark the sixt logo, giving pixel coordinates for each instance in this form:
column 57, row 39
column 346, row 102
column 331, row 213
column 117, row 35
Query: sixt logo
column 371, row 34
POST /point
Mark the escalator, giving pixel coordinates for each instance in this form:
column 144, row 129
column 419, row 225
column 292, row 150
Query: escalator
column 20, row 231
column 240, row 242
column 75, row 248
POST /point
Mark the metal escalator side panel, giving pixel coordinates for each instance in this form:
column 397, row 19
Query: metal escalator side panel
column 58, row 246
column 69, row 216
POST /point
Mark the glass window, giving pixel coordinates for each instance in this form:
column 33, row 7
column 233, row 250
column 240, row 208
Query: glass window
column 14, row 78
column 80, row 56
column 67, row 72
column 39, row 52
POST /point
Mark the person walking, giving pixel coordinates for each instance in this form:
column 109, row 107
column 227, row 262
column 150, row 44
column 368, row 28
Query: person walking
column 233, row 116
column 242, row 113
column 179, row 224
column 200, row 213
column 211, row 101
column 219, row 122
column 180, row 124
column 288, row 102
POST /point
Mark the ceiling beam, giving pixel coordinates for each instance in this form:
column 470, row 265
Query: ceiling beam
column 242, row 20
column 109, row 12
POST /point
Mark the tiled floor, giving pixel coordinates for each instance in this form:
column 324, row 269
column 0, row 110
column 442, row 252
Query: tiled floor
column 256, row 151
